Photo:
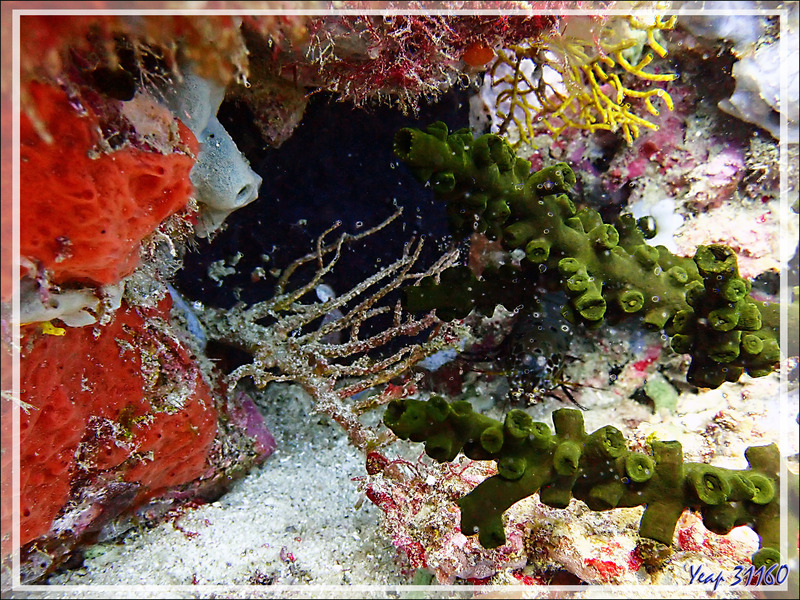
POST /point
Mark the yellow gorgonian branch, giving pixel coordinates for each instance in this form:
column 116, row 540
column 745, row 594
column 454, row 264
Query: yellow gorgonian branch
column 567, row 81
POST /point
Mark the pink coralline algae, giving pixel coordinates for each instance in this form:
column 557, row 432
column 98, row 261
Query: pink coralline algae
column 244, row 413
column 422, row 519
column 714, row 181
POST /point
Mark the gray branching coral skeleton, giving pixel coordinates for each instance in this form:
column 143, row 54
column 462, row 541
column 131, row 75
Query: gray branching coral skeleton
column 335, row 371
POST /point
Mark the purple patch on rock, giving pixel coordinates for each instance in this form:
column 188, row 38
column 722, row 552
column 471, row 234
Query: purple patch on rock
column 245, row 414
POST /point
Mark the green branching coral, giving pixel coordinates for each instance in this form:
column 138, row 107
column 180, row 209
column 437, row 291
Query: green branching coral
column 724, row 330
column 596, row 468
column 608, row 272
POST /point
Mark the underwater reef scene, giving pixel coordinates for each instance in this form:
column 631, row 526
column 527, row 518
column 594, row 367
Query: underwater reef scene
column 431, row 299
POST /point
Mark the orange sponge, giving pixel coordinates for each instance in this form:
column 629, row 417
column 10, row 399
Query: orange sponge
column 129, row 404
column 83, row 217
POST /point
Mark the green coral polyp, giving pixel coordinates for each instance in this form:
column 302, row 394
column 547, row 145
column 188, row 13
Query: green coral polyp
column 646, row 256
column 566, row 458
column 492, row 439
column 604, row 237
column 752, row 344
column 709, row 487
column 639, row 467
column 678, row 275
column 606, row 442
column 736, row 289
column 631, row 301
column 763, row 489
column 568, row 266
column 608, row 271
column 723, row 319
column 443, row 182
column 596, row 468
column 715, row 260
column 511, row 467
column 537, row 251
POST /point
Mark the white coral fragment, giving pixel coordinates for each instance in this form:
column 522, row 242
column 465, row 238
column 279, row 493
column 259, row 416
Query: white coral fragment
column 74, row 308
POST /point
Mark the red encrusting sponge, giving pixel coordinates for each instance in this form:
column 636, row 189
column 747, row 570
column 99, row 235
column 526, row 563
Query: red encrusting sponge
column 127, row 405
column 83, row 214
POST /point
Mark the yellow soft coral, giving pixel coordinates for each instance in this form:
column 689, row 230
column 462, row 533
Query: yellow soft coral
column 581, row 76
